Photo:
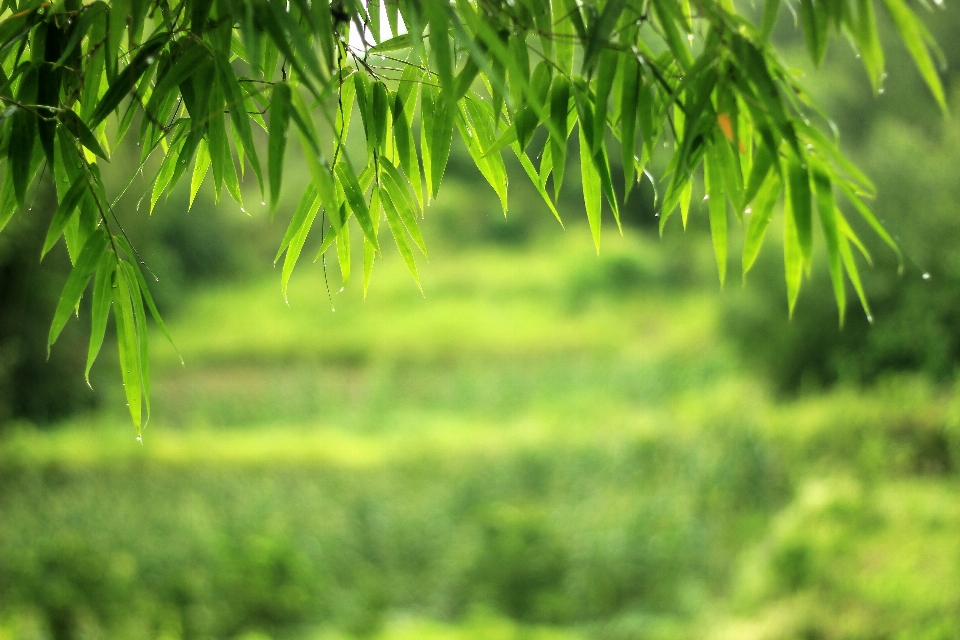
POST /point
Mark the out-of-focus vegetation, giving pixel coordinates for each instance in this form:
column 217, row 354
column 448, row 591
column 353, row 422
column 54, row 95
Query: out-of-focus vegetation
column 509, row 456
column 547, row 444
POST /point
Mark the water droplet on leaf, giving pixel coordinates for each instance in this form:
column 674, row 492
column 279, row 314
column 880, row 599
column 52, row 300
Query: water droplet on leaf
column 925, row 276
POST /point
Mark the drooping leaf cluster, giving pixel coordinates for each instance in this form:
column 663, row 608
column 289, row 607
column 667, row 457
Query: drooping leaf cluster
column 195, row 80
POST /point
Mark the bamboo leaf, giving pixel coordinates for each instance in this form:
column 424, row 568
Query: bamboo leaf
column 629, row 96
column 792, row 253
column 199, row 171
column 72, row 122
column 590, row 181
column 297, row 234
column 395, row 186
column 827, row 209
column 396, row 43
column 129, row 346
column 759, row 215
column 396, row 228
column 713, row 179
column 915, row 37
column 279, row 122
column 799, row 180
column 68, row 204
column 354, row 197
column 84, row 267
column 559, row 113
column 100, row 310
column 127, row 79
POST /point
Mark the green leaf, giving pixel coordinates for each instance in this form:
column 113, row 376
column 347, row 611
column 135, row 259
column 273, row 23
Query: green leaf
column 771, row 10
column 129, row 344
column 239, row 119
column 84, row 267
column 629, row 96
column 127, row 79
column 792, row 254
column 100, row 310
column 800, row 200
column 476, row 128
column 379, row 108
column 297, row 234
column 915, row 36
column 343, row 248
column 146, row 295
column 850, row 265
column 396, row 43
column 406, row 147
column 396, row 187
column 535, row 179
column 439, row 21
column 72, row 123
column 758, row 219
column 199, row 171
column 815, row 24
column 590, row 181
column 559, row 113
column 396, row 228
column 354, row 196
column 279, row 122
column 827, row 209
column 868, row 42
column 68, row 204
column 606, row 69
column 599, row 35
column 167, row 167
column 713, row 179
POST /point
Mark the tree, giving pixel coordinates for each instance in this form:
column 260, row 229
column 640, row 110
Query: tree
column 701, row 76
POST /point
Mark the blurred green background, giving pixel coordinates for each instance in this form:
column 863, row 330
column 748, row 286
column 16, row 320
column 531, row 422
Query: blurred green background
column 545, row 445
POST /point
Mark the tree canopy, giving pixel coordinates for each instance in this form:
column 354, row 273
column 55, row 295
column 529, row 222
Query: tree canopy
column 195, row 79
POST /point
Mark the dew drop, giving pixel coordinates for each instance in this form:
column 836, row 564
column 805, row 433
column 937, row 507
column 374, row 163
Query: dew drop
column 809, row 147
column 29, row 208
column 925, row 276
column 242, row 210
column 333, row 309
column 690, row 37
column 150, row 59
column 341, row 290
column 656, row 215
column 747, row 211
column 263, row 203
column 706, row 197
column 881, row 90
column 140, row 439
column 870, row 318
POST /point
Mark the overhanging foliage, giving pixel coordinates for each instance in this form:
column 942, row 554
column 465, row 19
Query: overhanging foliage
column 195, row 78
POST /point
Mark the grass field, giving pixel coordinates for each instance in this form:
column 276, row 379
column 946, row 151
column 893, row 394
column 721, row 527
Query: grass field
column 544, row 445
